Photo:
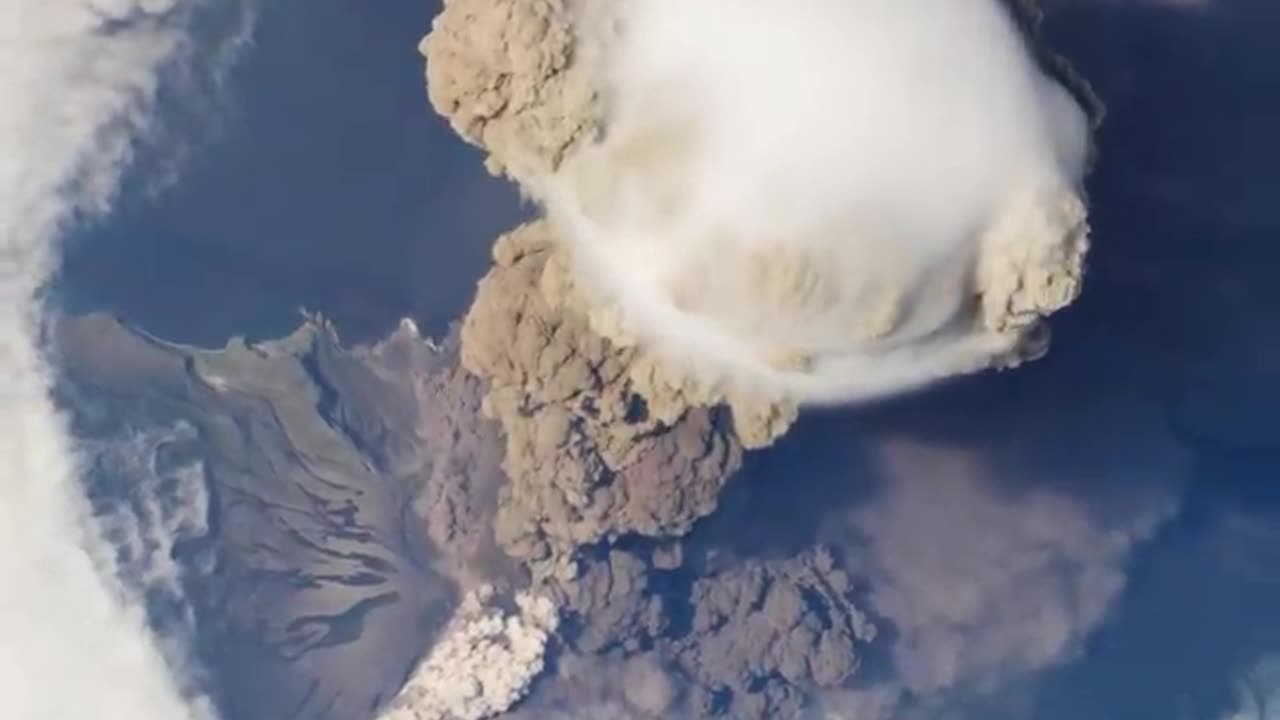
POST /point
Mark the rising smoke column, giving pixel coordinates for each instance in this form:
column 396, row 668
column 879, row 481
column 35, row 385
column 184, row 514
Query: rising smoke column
column 77, row 78
column 827, row 199
column 703, row 185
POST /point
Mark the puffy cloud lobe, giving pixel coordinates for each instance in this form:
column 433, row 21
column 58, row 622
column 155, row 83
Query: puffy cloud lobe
column 483, row 664
column 765, row 633
column 505, row 73
column 595, row 447
column 719, row 635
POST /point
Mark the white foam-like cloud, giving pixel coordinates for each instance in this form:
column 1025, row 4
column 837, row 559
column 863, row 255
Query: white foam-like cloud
column 829, row 199
column 77, row 78
column 484, row 663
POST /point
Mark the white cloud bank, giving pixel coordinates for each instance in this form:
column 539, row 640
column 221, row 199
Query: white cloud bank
column 77, row 78
column 829, row 199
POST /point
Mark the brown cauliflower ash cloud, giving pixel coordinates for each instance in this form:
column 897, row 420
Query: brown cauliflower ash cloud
column 601, row 441
column 603, row 438
column 717, row 637
column 503, row 73
column 599, row 445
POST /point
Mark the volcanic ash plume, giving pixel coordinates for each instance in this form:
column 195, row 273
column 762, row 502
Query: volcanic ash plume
column 822, row 200
column 845, row 199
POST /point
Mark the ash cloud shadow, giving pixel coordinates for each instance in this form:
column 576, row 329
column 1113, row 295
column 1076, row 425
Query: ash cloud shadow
column 782, row 490
column 326, row 182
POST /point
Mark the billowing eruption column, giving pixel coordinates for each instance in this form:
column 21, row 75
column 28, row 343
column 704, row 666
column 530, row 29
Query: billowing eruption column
column 831, row 202
column 749, row 206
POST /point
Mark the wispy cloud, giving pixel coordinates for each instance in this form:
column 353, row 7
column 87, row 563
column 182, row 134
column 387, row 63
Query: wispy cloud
column 77, row 79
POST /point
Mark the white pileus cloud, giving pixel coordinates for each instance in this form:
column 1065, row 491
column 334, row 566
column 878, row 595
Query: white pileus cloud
column 826, row 199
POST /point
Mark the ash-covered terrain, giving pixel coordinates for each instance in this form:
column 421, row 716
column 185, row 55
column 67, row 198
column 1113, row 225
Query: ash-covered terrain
column 309, row 517
column 272, row 502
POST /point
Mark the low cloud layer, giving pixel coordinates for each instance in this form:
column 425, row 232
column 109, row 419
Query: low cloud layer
column 78, row 80
column 839, row 201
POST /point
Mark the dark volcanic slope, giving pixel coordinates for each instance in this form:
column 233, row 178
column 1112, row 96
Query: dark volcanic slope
column 312, row 577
